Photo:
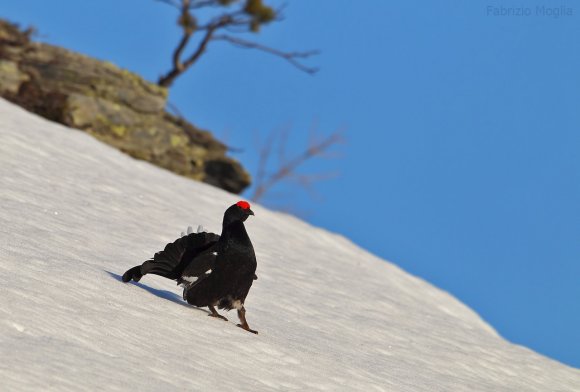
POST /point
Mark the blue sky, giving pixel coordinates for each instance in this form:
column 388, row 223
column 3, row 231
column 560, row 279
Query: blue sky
column 463, row 129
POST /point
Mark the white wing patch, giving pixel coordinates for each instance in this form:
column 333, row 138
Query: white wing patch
column 187, row 282
column 190, row 279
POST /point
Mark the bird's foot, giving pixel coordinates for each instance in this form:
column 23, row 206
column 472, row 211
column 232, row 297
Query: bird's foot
column 247, row 328
column 218, row 316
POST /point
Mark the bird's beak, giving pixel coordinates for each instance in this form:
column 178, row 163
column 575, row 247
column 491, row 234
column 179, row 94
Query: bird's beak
column 250, row 212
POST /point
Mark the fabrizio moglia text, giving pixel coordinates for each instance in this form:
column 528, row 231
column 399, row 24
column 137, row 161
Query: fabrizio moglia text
column 540, row 10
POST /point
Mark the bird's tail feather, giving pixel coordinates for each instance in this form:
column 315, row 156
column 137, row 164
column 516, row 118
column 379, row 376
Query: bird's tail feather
column 167, row 263
column 150, row 267
column 161, row 267
column 133, row 273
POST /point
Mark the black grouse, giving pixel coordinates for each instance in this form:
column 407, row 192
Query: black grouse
column 214, row 270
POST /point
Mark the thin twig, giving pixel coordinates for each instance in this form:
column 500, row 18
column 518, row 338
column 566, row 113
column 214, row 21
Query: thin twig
column 265, row 153
column 171, row 106
column 287, row 169
column 288, row 56
column 201, row 4
column 172, row 3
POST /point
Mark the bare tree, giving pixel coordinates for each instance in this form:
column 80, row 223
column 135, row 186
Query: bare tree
column 240, row 16
column 286, row 170
column 225, row 20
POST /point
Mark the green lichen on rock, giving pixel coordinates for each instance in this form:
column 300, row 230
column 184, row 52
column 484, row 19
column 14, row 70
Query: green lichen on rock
column 114, row 105
column 10, row 76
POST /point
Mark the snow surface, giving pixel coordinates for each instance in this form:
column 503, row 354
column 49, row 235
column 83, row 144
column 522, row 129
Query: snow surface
column 75, row 214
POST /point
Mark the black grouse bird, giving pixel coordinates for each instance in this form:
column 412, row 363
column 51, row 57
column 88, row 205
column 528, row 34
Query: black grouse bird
column 214, row 270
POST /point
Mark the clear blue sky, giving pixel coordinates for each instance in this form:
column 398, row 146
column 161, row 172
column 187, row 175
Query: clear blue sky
column 462, row 164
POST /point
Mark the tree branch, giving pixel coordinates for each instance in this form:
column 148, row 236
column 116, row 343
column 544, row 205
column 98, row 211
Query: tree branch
column 204, row 3
column 223, row 21
column 237, row 20
column 288, row 56
column 180, row 67
column 172, row 3
column 177, row 65
column 288, row 168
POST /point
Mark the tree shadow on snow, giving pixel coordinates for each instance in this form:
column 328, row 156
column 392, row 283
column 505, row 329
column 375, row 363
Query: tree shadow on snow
column 168, row 295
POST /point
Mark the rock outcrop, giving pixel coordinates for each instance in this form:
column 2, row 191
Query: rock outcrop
column 114, row 105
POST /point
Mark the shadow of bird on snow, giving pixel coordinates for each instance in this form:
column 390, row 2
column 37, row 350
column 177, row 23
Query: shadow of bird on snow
column 168, row 295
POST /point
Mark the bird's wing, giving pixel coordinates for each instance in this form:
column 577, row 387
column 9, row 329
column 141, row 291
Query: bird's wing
column 177, row 255
column 199, row 266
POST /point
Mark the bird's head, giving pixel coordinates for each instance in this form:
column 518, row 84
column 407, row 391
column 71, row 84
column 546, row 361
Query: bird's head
column 237, row 212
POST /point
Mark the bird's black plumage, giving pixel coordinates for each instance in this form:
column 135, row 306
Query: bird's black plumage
column 214, row 270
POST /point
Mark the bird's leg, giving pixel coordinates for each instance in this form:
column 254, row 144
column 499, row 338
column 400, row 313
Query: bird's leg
column 214, row 313
column 244, row 323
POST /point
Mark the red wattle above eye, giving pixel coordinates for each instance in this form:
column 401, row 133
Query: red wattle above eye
column 243, row 204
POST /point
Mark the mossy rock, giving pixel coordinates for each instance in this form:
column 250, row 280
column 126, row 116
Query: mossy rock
column 114, row 105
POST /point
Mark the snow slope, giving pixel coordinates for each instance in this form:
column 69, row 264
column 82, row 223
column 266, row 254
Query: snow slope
column 75, row 214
